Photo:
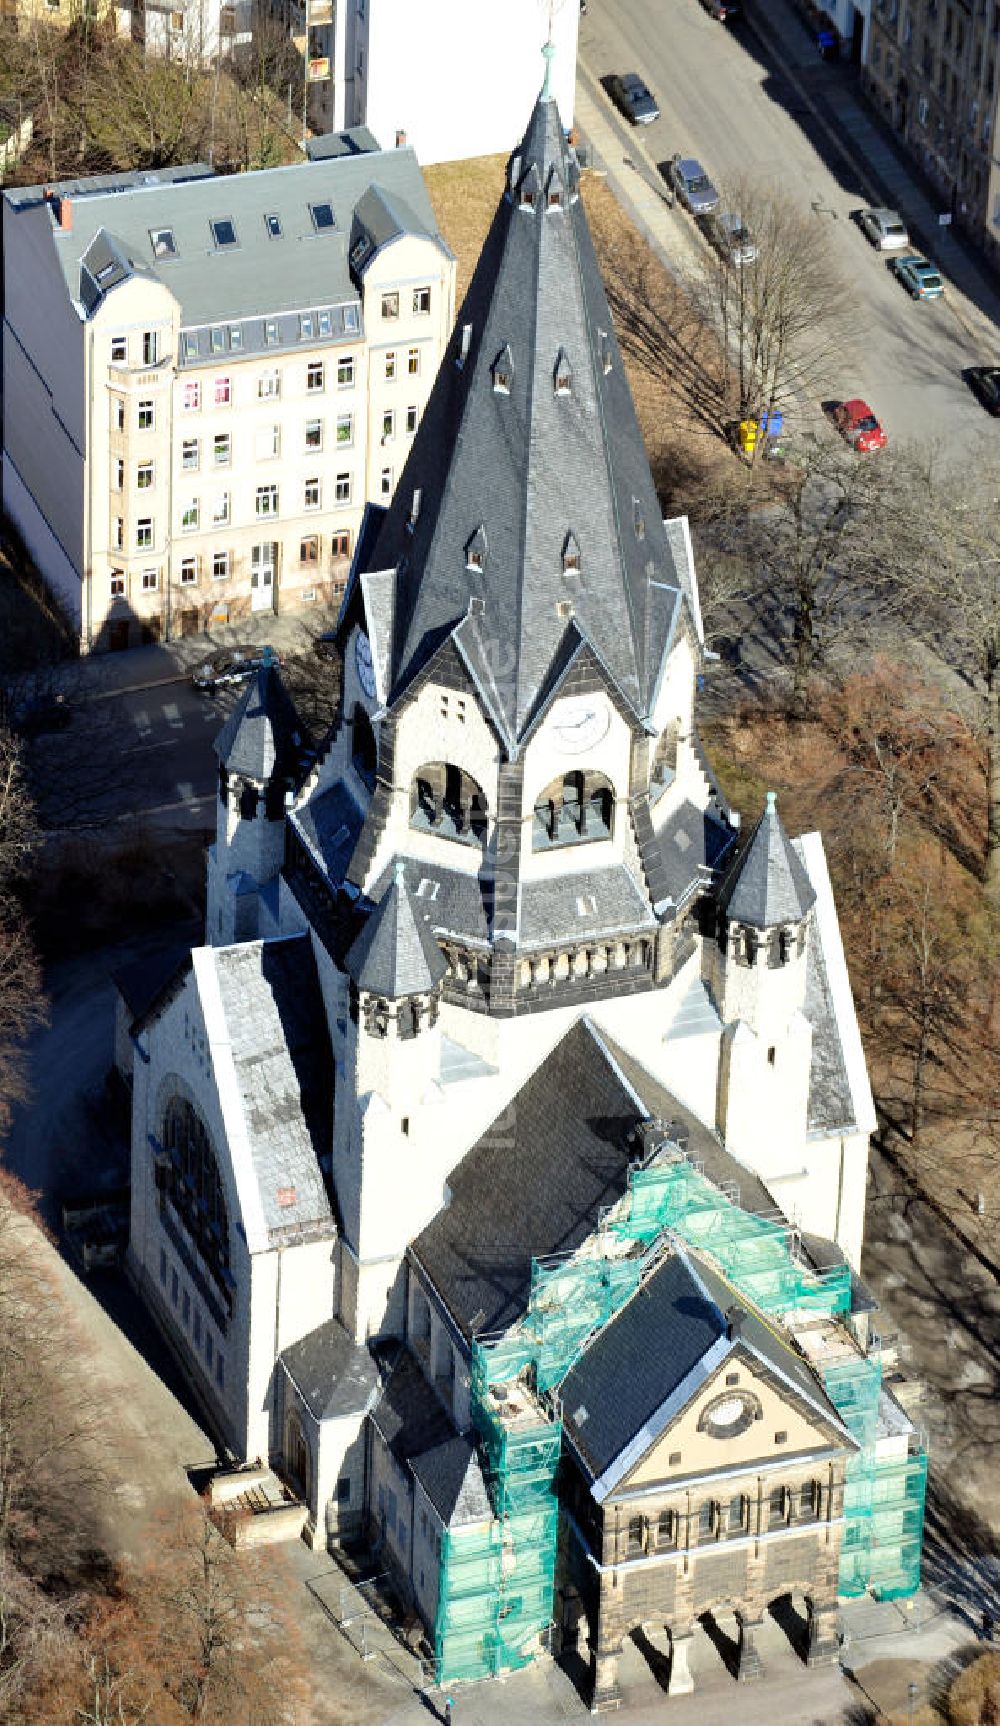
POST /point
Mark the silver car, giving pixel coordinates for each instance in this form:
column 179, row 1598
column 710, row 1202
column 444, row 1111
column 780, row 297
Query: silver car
column 885, row 229
column 692, row 185
column 731, row 237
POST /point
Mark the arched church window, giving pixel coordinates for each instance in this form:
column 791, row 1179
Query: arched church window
column 248, row 801
column 577, row 808
column 447, row 801
column 194, row 1187
column 364, row 749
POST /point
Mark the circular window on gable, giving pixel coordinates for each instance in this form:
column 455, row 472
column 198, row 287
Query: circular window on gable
column 728, row 1415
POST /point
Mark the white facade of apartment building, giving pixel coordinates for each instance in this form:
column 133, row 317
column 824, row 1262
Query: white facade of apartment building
column 205, row 378
column 452, row 78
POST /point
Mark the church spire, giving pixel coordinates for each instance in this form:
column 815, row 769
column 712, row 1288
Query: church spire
column 767, row 885
column 529, row 445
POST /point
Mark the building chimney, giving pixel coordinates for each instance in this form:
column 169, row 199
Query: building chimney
column 64, row 211
column 735, row 1318
column 400, row 139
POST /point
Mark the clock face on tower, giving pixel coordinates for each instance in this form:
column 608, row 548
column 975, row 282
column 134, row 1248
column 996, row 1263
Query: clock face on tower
column 363, row 661
column 580, row 724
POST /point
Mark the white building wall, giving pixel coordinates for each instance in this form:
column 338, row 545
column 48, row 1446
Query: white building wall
column 456, row 79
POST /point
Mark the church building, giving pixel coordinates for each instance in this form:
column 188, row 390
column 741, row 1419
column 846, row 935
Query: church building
column 499, row 1162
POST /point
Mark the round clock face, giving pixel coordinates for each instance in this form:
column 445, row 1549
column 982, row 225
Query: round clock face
column 581, row 724
column 363, row 661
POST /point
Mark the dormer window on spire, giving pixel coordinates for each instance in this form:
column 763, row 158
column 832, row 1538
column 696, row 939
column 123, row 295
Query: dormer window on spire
column 563, row 374
column 571, row 555
column 475, row 550
column 503, row 371
column 554, row 190
column 529, row 189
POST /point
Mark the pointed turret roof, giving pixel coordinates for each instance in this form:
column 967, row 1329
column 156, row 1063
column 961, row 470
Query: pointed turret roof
column 263, row 738
column 396, row 954
column 768, row 884
column 527, row 502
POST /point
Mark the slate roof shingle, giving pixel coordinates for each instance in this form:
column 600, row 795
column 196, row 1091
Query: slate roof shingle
column 767, row 884
column 395, row 953
column 335, row 1375
column 264, row 738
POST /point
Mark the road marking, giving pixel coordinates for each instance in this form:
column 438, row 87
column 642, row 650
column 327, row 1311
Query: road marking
column 172, row 714
column 142, row 722
column 185, row 791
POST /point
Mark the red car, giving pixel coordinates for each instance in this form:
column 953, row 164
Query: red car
column 856, row 422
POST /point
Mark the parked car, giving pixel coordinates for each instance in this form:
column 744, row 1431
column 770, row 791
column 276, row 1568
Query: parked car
column 885, row 229
column 731, row 237
column 691, row 184
column 918, row 276
column 723, row 10
column 858, row 425
column 984, row 382
column 231, row 665
column 629, row 93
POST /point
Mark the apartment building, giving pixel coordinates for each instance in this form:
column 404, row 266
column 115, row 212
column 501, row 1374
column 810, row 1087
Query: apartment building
column 383, row 64
column 206, row 376
column 932, row 70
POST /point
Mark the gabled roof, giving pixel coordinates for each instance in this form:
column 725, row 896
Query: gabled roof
column 263, row 738
column 768, row 884
column 334, row 1375
column 453, row 1481
column 396, row 954
column 544, row 455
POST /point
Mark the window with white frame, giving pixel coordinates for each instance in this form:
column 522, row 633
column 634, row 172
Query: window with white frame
column 144, row 533
column 119, row 533
column 150, row 347
column 413, row 362
column 220, row 565
column 223, row 393
column 144, row 475
column 118, row 413
column 191, row 395
column 235, row 337
column 315, row 376
column 191, row 515
column 421, row 301
column 309, row 549
column 271, row 332
column 119, row 474
column 412, row 417
column 190, row 452
column 314, row 434
column 345, row 428
column 267, row 500
column 388, row 425
column 217, row 340
column 220, row 509
column 189, row 571
column 267, row 443
column 390, row 305
column 119, row 350
column 345, row 372
column 269, row 385
column 385, row 482
column 222, row 449
column 305, row 326
column 313, row 494
column 342, row 488
column 326, row 323
column 150, row 580
column 147, row 416
column 118, row 586
column 390, row 365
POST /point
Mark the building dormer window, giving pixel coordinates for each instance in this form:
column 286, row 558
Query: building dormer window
column 475, row 550
column 163, row 243
column 323, row 218
column 503, row 371
column 554, row 191
column 223, row 232
column 563, row 374
column 529, row 189
column 570, row 555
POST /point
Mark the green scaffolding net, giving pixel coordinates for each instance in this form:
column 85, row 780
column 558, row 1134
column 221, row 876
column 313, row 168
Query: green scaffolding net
column 497, row 1583
column 884, row 1496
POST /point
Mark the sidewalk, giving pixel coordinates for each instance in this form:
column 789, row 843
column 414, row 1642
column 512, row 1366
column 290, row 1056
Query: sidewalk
column 885, row 171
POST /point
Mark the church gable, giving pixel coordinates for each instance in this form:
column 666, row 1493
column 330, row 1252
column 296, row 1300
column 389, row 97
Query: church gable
column 741, row 1416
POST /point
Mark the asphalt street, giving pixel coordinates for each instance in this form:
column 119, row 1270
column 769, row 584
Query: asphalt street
column 723, row 98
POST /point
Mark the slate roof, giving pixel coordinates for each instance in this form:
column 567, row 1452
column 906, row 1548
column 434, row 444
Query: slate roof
column 590, row 902
column 330, row 823
column 690, row 844
column 264, row 738
column 453, row 1481
column 141, row 983
column 299, row 271
column 649, row 1360
column 277, row 1029
column 768, row 884
column 395, row 953
column 831, row 1103
column 408, row 1413
column 353, row 141
column 530, row 465
column 334, row 1375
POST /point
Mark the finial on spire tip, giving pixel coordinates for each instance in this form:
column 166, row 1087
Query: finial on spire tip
column 771, row 802
column 399, row 873
column 549, row 53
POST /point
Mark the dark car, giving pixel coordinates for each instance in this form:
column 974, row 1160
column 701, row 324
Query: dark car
column 984, row 382
column 723, row 10
column 629, row 93
column 231, row 665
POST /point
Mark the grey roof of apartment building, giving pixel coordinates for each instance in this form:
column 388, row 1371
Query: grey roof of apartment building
column 334, row 1375
column 264, row 738
column 353, row 141
column 278, row 1035
column 650, row 1353
column 767, row 884
column 394, row 953
column 294, row 266
column 544, row 472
